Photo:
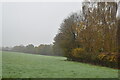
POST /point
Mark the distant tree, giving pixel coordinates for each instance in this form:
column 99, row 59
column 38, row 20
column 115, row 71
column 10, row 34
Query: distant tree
column 20, row 48
column 5, row 49
column 30, row 48
column 42, row 49
column 57, row 50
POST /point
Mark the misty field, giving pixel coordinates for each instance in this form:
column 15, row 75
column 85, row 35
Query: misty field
column 20, row 65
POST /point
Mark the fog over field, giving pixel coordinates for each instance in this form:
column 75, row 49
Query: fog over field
column 33, row 22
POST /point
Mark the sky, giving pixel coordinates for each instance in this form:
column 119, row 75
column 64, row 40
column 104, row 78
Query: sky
column 0, row 24
column 33, row 22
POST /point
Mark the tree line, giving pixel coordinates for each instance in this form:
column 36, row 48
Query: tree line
column 90, row 35
column 42, row 49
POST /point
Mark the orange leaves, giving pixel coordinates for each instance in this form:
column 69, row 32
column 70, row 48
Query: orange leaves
column 101, row 56
column 77, row 52
column 110, row 57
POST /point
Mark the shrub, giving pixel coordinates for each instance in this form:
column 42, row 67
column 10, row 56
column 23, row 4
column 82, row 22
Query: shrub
column 81, row 55
column 78, row 52
column 108, row 59
column 111, row 57
column 105, row 59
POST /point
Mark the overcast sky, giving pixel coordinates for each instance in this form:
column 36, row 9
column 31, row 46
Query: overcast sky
column 0, row 24
column 33, row 22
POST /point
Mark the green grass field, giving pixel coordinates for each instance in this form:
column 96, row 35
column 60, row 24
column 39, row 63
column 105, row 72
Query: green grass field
column 0, row 64
column 20, row 65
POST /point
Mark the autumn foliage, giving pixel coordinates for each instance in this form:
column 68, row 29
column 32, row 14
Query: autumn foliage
column 90, row 35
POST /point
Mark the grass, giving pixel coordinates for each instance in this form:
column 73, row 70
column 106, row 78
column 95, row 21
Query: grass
column 0, row 64
column 20, row 65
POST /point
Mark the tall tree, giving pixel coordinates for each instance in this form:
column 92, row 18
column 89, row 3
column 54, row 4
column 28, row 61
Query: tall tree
column 118, row 27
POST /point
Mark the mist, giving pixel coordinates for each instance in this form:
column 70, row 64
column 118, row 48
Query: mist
column 33, row 22
column 1, row 24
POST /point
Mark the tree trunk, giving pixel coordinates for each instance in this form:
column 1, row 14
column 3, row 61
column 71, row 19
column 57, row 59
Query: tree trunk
column 118, row 36
column 118, row 42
